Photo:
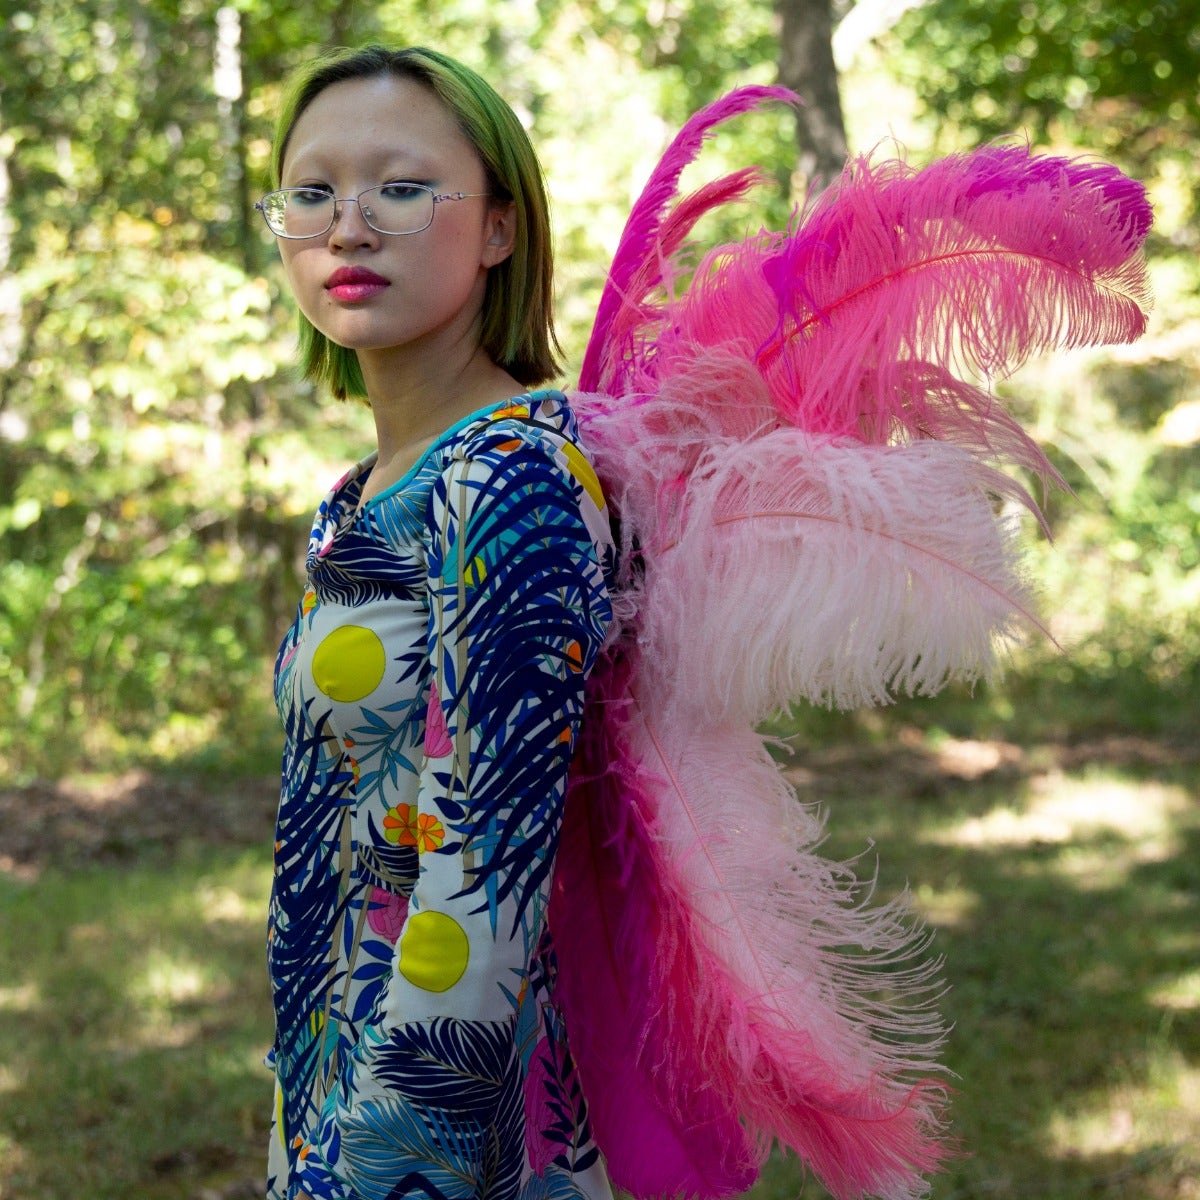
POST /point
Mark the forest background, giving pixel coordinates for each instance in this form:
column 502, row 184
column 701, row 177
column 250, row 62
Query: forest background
column 160, row 459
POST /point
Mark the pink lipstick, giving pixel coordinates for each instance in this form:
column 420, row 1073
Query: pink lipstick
column 355, row 283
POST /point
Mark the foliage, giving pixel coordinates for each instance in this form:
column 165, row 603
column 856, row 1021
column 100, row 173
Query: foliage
column 159, row 457
column 157, row 454
column 1120, row 75
column 1121, row 78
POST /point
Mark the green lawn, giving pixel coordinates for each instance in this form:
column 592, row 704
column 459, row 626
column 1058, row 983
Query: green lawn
column 1064, row 886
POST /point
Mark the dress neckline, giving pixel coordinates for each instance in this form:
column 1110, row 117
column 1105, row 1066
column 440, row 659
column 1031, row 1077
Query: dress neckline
column 368, row 463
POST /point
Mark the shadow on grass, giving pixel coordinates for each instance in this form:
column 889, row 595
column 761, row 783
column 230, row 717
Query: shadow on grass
column 134, row 1008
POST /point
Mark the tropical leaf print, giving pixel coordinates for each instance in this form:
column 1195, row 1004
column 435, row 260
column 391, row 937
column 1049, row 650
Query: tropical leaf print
column 453, row 1065
column 390, row 1149
column 508, row 525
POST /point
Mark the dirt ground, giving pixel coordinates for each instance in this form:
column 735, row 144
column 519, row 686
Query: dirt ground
column 70, row 822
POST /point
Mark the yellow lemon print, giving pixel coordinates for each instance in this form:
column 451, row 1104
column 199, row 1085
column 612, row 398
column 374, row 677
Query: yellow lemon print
column 349, row 664
column 582, row 470
column 433, row 951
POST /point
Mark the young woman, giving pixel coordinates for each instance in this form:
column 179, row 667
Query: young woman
column 432, row 683
column 807, row 498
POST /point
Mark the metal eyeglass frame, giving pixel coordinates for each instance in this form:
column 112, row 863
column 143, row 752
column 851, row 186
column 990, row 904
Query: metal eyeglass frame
column 437, row 197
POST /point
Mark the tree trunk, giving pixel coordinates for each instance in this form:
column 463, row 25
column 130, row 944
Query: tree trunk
column 806, row 66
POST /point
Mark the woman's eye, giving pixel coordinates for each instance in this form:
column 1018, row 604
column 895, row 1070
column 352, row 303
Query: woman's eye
column 310, row 195
column 403, row 191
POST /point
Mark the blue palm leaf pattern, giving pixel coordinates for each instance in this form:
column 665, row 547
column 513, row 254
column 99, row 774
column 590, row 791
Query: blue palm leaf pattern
column 456, row 1066
column 555, row 1184
column 394, row 1146
column 481, row 576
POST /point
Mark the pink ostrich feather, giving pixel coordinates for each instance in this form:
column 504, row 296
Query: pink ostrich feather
column 640, row 240
column 611, row 914
column 711, row 1002
column 969, row 265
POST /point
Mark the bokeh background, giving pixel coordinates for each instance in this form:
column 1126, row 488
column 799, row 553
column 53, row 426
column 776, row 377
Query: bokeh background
column 159, row 459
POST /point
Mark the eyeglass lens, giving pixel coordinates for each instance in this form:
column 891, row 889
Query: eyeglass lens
column 389, row 208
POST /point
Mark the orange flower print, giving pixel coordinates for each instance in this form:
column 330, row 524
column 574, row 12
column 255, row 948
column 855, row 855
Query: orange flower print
column 404, row 826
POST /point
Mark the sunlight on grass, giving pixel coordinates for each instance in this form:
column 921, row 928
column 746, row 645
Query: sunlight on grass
column 219, row 903
column 22, row 998
column 946, row 907
column 1180, row 995
column 135, row 1025
column 1059, row 809
column 1150, row 1111
column 167, row 980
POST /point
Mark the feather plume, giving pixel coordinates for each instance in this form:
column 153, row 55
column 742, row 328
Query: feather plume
column 731, row 990
column 851, row 574
column 763, row 565
column 640, row 237
column 971, row 264
column 812, row 1010
column 629, row 347
column 662, row 1137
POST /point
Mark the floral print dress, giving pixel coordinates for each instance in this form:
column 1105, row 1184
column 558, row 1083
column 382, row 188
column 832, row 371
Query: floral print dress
column 431, row 690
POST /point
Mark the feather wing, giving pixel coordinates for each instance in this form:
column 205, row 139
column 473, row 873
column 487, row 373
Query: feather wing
column 726, row 986
column 803, row 453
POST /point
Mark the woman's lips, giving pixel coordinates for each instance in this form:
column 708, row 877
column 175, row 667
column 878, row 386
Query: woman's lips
column 355, row 283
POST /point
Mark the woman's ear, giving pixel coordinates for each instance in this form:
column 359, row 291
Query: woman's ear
column 501, row 233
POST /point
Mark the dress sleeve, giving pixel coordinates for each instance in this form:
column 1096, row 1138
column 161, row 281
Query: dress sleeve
column 518, row 608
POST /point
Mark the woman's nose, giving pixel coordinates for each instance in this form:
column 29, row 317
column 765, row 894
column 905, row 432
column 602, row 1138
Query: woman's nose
column 350, row 225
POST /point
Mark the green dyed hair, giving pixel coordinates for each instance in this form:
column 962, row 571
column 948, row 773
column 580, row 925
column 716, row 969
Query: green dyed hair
column 518, row 319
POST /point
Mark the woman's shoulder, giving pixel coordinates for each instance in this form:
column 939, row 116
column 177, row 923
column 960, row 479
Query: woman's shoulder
column 544, row 423
column 539, row 419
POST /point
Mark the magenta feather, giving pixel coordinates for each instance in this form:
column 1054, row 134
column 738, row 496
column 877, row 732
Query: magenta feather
column 664, row 1134
column 638, row 242
column 969, row 265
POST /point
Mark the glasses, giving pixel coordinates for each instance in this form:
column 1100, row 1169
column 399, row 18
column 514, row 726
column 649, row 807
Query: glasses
column 389, row 208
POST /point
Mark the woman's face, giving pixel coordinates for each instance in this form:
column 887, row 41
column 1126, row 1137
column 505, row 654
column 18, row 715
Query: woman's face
column 430, row 286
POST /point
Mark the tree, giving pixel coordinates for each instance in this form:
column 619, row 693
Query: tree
column 806, row 66
column 1122, row 76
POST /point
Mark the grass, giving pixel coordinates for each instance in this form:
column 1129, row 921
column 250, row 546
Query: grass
column 1068, row 911
column 134, row 1017
column 1064, row 887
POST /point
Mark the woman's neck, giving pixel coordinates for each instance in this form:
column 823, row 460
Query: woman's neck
column 413, row 407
